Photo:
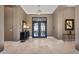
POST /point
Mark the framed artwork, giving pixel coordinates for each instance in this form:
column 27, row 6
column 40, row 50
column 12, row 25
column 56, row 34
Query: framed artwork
column 69, row 24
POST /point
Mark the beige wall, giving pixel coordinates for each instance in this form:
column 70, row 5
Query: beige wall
column 77, row 27
column 19, row 15
column 49, row 23
column 60, row 14
column 14, row 20
column 8, row 22
column 1, row 28
column 55, row 22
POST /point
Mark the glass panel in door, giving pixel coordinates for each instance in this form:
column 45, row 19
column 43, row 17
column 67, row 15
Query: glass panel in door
column 42, row 29
column 36, row 29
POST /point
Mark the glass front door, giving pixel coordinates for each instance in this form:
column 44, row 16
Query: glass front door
column 36, row 32
column 39, row 29
column 42, row 29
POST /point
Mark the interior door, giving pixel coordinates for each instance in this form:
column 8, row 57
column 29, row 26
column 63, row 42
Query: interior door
column 39, row 29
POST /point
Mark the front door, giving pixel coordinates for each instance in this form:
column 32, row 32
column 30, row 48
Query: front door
column 39, row 29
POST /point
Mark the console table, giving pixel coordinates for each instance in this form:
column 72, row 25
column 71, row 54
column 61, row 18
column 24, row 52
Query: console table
column 24, row 35
column 68, row 37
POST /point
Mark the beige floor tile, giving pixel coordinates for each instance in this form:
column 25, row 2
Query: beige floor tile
column 39, row 46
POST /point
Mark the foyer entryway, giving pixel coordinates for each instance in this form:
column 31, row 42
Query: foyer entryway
column 39, row 27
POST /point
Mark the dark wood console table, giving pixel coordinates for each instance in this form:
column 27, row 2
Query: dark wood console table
column 24, row 35
column 68, row 37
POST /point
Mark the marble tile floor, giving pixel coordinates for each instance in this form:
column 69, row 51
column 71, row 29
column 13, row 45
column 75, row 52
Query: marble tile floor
column 48, row 45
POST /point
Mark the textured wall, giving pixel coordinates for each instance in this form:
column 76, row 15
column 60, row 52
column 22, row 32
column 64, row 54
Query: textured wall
column 14, row 19
column 19, row 15
column 59, row 16
column 8, row 23
column 1, row 28
column 77, row 27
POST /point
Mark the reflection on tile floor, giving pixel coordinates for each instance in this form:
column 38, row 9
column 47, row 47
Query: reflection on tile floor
column 39, row 45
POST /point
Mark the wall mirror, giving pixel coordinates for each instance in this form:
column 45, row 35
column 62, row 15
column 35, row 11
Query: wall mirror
column 69, row 24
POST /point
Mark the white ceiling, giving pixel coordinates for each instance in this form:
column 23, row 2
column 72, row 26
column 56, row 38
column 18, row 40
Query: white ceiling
column 45, row 9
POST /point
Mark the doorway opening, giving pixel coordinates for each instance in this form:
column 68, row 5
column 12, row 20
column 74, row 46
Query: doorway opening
column 39, row 27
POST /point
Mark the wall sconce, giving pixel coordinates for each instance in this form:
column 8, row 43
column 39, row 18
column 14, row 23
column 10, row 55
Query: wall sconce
column 24, row 26
column 27, row 27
